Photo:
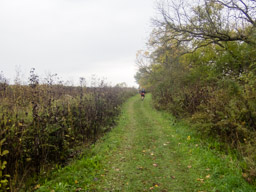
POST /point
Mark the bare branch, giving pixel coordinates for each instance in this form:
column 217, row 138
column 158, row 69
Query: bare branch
column 207, row 21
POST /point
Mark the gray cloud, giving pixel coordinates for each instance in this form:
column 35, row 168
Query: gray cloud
column 74, row 37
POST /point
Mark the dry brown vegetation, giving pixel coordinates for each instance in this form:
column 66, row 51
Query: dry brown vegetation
column 41, row 124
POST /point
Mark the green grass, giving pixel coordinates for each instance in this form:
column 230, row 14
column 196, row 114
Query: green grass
column 147, row 151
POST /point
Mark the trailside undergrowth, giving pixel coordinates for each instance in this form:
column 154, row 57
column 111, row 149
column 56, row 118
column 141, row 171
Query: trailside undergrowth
column 42, row 124
column 200, row 64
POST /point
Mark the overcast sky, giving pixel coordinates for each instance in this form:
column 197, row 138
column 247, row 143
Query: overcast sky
column 74, row 38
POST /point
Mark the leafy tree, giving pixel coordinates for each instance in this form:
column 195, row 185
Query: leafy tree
column 201, row 65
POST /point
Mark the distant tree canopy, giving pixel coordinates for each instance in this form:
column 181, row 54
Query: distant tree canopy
column 123, row 84
column 201, row 65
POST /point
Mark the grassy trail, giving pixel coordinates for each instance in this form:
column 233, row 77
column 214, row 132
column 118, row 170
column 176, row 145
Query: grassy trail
column 148, row 152
column 147, row 158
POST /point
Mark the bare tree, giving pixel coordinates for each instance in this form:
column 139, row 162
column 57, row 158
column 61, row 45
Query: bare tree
column 51, row 78
column 206, row 22
column 3, row 84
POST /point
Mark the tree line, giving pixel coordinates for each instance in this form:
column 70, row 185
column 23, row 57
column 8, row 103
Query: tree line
column 200, row 65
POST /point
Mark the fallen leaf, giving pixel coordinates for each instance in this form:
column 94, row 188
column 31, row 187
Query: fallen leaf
column 37, row 186
column 201, row 180
column 173, row 177
column 244, row 175
column 189, row 166
column 207, row 176
column 155, row 184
